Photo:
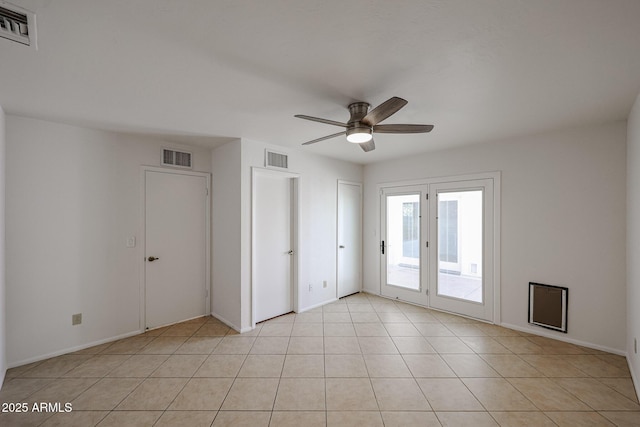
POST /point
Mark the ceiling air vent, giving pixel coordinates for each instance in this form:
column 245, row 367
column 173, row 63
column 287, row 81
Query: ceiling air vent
column 17, row 24
column 180, row 159
column 273, row 159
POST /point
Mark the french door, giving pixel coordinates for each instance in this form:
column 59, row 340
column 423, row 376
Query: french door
column 437, row 245
column 461, row 280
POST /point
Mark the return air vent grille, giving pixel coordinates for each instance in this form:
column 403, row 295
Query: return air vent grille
column 17, row 24
column 273, row 159
column 181, row 159
column 548, row 306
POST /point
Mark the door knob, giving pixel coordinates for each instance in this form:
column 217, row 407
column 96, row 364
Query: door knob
column 341, row 246
column 290, row 252
column 152, row 258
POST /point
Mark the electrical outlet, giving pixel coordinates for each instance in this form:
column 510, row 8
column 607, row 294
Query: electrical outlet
column 324, row 283
column 76, row 319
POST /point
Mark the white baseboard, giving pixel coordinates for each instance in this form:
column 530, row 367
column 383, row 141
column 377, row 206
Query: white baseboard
column 72, row 349
column 634, row 378
column 231, row 324
column 565, row 339
column 320, row 304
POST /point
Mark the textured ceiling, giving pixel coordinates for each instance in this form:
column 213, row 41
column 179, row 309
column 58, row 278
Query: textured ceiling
column 203, row 71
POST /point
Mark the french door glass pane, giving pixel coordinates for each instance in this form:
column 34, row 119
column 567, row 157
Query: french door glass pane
column 448, row 226
column 460, row 245
column 403, row 241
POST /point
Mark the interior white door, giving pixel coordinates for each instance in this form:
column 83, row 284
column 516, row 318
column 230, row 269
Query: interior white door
column 273, row 247
column 349, row 238
column 404, row 243
column 175, row 246
column 462, row 277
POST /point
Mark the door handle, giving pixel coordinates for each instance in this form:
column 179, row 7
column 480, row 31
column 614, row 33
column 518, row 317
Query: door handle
column 152, row 258
column 341, row 246
column 382, row 247
column 290, row 252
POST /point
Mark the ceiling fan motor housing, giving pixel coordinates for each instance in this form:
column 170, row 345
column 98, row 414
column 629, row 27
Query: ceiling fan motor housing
column 357, row 110
column 358, row 132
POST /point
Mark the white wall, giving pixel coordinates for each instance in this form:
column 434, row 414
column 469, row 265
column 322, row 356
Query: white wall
column 72, row 199
column 3, row 304
column 226, row 224
column 633, row 241
column 563, row 222
column 318, row 195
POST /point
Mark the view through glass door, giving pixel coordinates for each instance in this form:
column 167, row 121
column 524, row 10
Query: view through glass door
column 404, row 238
column 437, row 245
column 463, row 246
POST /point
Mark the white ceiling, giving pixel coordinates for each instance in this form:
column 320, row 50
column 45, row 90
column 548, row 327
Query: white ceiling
column 203, row 71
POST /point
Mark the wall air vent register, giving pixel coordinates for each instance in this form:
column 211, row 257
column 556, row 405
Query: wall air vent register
column 273, row 159
column 17, row 24
column 179, row 159
column 548, row 306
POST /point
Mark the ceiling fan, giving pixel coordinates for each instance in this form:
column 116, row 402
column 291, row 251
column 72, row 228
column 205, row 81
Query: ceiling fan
column 362, row 123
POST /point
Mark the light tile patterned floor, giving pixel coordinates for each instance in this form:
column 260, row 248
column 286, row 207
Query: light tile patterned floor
column 361, row 361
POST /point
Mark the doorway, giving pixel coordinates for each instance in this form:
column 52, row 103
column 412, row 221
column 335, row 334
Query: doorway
column 176, row 246
column 349, row 238
column 274, row 215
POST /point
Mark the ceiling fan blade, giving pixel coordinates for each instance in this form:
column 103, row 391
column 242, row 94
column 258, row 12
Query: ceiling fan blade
column 402, row 128
column 318, row 119
column 367, row 146
column 313, row 141
column 384, row 110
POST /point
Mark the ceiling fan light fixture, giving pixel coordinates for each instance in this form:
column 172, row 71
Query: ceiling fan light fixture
column 358, row 135
column 362, row 123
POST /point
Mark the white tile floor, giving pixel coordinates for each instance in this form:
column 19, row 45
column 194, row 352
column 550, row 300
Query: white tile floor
column 362, row 361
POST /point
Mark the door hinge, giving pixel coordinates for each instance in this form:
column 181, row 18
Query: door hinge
column 427, row 291
column 207, row 191
column 427, row 196
column 427, row 243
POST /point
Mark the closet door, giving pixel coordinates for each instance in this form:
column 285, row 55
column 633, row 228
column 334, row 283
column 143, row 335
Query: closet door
column 273, row 244
column 349, row 238
column 176, row 242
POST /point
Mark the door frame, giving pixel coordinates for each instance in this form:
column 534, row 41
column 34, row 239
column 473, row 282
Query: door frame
column 496, row 265
column 359, row 185
column 141, row 244
column 295, row 184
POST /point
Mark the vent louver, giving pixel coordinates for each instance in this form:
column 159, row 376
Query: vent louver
column 181, row 159
column 273, row 159
column 17, row 24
